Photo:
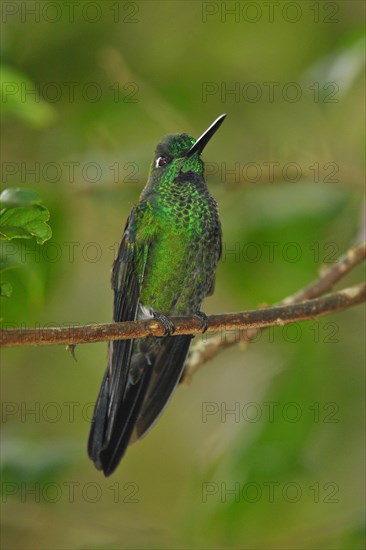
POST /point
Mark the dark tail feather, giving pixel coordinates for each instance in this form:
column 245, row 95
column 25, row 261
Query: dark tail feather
column 167, row 371
column 106, row 454
column 98, row 424
column 152, row 380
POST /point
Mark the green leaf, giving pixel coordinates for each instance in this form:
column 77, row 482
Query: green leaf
column 10, row 257
column 25, row 222
column 19, row 196
column 5, row 289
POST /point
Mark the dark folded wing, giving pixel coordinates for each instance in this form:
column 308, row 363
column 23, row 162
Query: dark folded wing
column 126, row 281
column 118, row 398
column 218, row 236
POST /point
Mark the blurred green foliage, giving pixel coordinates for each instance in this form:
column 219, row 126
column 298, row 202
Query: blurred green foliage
column 30, row 108
column 84, row 104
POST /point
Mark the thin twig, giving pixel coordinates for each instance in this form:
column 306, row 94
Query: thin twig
column 329, row 276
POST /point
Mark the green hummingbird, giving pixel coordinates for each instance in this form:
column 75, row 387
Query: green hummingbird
column 165, row 266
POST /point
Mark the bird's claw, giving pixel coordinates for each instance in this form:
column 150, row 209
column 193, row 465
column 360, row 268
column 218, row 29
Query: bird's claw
column 167, row 323
column 204, row 320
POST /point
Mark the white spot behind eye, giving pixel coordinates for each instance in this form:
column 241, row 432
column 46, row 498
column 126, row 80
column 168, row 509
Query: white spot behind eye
column 160, row 161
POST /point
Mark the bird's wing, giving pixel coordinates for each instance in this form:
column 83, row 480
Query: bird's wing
column 211, row 290
column 127, row 276
column 118, row 400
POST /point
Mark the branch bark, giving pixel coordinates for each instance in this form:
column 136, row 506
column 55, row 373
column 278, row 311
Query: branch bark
column 271, row 316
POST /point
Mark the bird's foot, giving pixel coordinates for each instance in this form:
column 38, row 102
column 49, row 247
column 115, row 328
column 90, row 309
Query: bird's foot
column 204, row 320
column 167, row 323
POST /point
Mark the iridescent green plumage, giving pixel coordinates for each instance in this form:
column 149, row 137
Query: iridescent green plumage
column 165, row 266
column 180, row 217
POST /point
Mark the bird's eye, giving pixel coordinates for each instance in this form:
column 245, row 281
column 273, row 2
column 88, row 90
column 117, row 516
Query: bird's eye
column 160, row 161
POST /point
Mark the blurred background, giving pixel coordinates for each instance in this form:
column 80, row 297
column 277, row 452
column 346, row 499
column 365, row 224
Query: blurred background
column 265, row 448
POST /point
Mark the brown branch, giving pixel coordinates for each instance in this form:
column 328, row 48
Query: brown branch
column 329, row 276
column 271, row 316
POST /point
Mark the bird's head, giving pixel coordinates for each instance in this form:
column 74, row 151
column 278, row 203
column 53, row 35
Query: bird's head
column 180, row 153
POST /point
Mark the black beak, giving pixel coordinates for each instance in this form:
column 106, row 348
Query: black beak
column 206, row 136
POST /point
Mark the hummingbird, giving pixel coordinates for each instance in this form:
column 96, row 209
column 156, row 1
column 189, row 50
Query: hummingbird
column 165, row 266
